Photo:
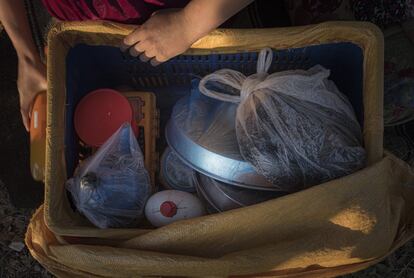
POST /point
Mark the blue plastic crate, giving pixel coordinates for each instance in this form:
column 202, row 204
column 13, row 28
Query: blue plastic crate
column 92, row 67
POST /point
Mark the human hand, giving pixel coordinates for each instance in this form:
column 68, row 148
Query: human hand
column 163, row 36
column 31, row 81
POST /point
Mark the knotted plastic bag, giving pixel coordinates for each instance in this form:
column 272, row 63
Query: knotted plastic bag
column 112, row 187
column 294, row 127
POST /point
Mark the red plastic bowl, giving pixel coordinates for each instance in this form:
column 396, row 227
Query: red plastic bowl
column 100, row 114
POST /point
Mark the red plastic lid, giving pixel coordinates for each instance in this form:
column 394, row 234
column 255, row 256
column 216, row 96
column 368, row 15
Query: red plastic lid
column 168, row 209
column 100, row 114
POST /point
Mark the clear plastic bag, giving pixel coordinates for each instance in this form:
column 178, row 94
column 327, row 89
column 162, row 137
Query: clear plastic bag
column 294, row 127
column 112, row 187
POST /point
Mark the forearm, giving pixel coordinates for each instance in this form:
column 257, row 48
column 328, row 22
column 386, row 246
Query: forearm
column 205, row 15
column 15, row 22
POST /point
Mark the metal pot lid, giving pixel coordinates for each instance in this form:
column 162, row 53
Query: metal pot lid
column 202, row 133
column 174, row 173
column 226, row 196
column 209, row 204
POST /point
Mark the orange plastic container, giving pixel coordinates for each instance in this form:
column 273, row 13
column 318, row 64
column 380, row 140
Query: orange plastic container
column 38, row 137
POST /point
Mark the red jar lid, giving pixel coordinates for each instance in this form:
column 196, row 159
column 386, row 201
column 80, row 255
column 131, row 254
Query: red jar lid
column 100, row 114
column 168, row 209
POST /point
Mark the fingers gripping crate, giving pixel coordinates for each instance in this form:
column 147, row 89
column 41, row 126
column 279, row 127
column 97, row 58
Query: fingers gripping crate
column 85, row 56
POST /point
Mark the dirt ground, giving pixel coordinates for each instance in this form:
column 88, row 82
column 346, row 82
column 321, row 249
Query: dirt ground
column 15, row 259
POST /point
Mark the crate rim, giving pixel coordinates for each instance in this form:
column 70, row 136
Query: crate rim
column 65, row 35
